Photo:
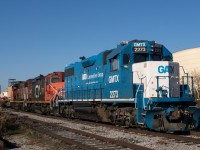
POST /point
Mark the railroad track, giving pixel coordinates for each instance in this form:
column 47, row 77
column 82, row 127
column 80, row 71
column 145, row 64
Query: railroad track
column 179, row 137
column 81, row 139
column 97, row 141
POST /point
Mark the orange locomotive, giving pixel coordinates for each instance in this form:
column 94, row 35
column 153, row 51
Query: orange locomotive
column 54, row 84
column 40, row 92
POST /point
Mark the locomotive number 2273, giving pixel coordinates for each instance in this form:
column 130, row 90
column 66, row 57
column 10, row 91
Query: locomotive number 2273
column 113, row 94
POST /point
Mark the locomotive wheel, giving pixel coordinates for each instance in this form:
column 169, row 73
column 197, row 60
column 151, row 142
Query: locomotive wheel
column 44, row 109
column 127, row 122
column 64, row 111
column 32, row 108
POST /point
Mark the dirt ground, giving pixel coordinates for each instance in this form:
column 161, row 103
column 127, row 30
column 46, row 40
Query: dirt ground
column 31, row 140
column 14, row 135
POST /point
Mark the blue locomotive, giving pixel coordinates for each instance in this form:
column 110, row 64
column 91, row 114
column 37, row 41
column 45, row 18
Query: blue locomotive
column 135, row 84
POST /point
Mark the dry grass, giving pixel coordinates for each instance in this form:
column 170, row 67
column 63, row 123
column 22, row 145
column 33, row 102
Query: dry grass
column 4, row 103
column 8, row 124
column 11, row 128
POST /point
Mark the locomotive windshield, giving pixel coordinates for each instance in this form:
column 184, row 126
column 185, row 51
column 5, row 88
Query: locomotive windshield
column 156, row 57
column 140, row 58
column 55, row 79
column 157, row 53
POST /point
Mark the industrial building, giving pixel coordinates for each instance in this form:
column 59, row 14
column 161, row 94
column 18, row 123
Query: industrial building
column 189, row 59
column 6, row 93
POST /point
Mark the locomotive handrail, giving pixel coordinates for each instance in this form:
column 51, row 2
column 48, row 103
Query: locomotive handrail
column 183, row 70
column 192, row 82
column 52, row 102
column 136, row 96
column 157, row 77
column 186, row 76
column 138, row 89
column 169, row 77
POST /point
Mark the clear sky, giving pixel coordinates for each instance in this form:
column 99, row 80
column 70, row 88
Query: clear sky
column 42, row 36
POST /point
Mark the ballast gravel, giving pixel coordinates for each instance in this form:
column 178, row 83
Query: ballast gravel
column 157, row 143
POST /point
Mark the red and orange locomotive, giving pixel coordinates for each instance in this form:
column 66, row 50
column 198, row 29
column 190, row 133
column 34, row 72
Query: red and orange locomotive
column 41, row 91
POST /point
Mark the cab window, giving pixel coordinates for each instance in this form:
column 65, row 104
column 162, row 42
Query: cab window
column 140, row 58
column 126, row 59
column 48, row 81
column 114, row 64
column 156, row 57
column 54, row 80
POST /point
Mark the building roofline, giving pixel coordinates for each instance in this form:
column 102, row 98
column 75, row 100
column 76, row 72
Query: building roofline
column 185, row 49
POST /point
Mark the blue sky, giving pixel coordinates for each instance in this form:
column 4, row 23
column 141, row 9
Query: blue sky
column 42, row 36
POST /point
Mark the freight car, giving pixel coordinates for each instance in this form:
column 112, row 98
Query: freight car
column 39, row 93
column 135, row 84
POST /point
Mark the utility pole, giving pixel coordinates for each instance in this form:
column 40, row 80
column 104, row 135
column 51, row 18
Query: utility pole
column 0, row 91
column 11, row 82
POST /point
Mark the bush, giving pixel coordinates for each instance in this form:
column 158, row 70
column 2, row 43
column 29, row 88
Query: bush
column 8, row 124
column 4, row 103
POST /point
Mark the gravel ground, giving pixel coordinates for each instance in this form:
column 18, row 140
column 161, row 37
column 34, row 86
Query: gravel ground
column 157, row 143
column 30, row 140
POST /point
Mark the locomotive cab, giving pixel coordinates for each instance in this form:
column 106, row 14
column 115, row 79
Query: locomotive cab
column 54, row 83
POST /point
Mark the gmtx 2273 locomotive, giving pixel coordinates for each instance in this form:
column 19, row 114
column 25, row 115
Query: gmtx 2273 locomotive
column 135, row 84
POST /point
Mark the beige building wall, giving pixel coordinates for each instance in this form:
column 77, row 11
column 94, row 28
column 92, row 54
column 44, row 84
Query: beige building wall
column 7, row 93
column 189, row 59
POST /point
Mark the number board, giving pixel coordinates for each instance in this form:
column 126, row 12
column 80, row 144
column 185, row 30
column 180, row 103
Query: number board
column 139, row 49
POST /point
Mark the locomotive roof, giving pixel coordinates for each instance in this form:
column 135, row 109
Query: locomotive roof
column 116, row 51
